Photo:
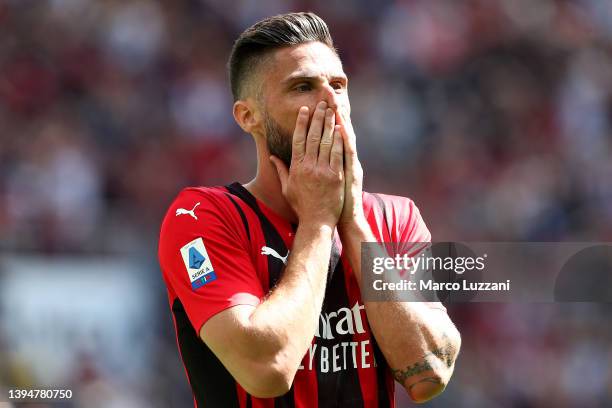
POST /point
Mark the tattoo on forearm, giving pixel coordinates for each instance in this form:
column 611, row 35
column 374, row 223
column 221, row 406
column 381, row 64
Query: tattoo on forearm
column 444, row 355
column 401, row 375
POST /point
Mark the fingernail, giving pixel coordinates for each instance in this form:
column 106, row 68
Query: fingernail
column 329, row 113
column 322, row 105
column 303, row 110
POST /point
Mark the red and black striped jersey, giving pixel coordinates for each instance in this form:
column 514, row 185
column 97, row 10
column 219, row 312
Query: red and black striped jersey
column 220, row 247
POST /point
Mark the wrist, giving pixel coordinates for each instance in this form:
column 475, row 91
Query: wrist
column 356, row 226
column 317, row 228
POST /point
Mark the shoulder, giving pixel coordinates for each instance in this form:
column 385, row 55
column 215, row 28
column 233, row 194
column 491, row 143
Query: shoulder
column 400, row 215
column 390, row 205
column 208, row 197
column 196, row 209
column 193, row 200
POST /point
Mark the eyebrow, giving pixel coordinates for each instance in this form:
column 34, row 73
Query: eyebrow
column 304, row 77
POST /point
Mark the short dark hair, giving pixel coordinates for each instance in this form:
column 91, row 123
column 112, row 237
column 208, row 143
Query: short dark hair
column 269, row 34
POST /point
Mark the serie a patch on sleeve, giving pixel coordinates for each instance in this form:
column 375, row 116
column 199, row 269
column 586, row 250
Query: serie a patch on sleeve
column 198, row 263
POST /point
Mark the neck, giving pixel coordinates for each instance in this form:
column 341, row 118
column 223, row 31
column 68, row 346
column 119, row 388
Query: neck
column 266, row 187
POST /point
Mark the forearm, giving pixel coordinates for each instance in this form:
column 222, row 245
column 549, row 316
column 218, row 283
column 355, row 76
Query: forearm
column 285, row 322
column 419, row 343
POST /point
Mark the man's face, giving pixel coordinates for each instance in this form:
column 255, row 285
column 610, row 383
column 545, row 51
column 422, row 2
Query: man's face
column 301, row 75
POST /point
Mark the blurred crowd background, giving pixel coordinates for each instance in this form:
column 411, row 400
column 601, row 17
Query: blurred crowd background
column 494, row 116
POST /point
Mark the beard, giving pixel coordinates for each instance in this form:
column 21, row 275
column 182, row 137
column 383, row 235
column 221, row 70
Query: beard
column 279, row 142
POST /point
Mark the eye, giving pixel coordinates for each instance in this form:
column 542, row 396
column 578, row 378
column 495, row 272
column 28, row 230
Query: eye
column 337, row 85
column 303, row 87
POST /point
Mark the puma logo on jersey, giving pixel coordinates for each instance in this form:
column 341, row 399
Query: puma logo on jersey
column 182, row 211
column 269, row 251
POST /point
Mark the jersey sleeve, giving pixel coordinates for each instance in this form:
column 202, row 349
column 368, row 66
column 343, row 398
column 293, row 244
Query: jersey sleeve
column 397, row 220
column 204, row 257
column 408, row 231
column 412, row 233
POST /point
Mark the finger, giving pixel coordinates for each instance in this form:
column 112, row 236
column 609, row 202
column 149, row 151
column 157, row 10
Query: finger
column 349, row 155
column 314, row 132
column 350, row 145
column 344, row 119
column 299, row 135
column 281, row 169
column 327, row 138
column 336, row 160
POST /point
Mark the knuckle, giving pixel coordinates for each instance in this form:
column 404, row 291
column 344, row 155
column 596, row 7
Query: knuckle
column 332, row 174
column 308, row 169
column 314, row 137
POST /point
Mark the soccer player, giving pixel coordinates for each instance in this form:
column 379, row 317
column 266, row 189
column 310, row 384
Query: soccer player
column 264, row 278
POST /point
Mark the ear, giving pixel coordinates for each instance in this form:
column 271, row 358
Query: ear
column 246, row 115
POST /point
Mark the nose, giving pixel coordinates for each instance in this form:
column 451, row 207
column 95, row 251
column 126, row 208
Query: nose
column 330, row 96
